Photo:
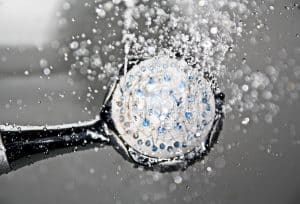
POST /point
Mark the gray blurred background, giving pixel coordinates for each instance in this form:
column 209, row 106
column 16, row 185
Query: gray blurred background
column 257, row 163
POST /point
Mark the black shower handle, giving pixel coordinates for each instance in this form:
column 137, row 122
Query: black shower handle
column 20, row 146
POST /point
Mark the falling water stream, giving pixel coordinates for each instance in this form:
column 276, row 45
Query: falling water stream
column 206, row 33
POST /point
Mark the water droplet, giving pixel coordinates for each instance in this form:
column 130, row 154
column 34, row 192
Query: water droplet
column 245, row 121
column 92, row 170
column 178, row 179
column 214, row 30
column 46, row 71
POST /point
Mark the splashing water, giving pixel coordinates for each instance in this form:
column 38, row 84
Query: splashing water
column 207, row 33
column 201, row 31
column 222, row 37
column 227, row 38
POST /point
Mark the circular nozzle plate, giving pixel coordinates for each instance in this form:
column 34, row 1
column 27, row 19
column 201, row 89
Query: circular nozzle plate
column 162, row 108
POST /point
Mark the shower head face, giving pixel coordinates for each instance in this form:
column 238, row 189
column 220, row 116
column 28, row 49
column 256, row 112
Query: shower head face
column 162, row 109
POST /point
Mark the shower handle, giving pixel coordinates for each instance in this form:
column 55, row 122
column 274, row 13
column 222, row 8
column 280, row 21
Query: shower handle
column 23, row 145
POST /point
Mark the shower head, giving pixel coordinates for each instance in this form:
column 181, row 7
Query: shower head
column 164, row 111
column 161, row 113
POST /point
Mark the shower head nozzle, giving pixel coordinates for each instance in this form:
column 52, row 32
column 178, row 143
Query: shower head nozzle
column 163, row 110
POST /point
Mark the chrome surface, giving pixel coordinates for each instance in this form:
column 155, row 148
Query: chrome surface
column 4, row 165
